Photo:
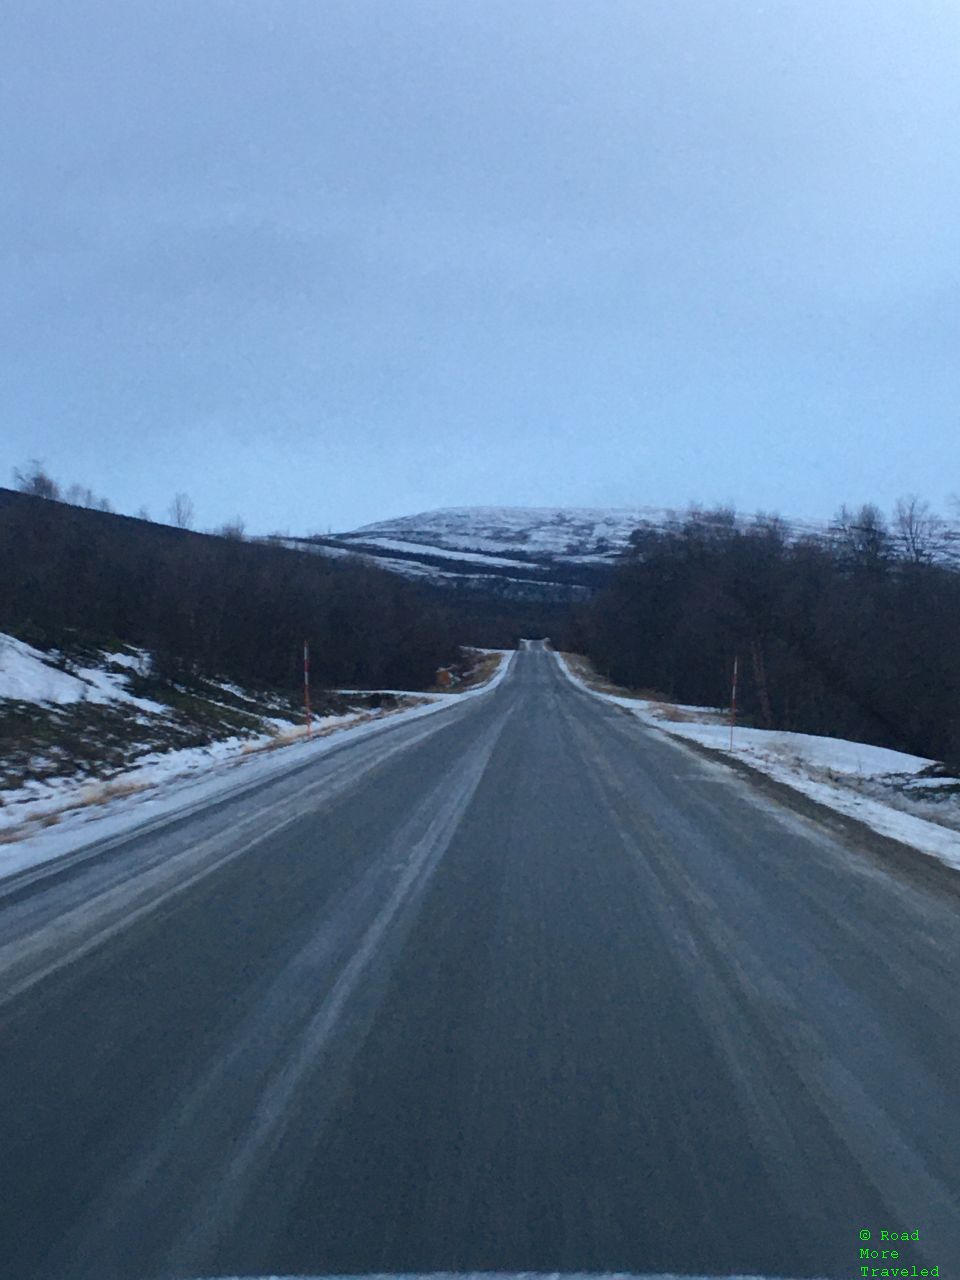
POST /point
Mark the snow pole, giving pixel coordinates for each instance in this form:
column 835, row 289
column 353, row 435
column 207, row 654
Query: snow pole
column 733, row 700
column 306, row 687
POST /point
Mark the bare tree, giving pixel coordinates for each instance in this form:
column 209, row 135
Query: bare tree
column 37, row 481
column 862, row 535
column 79, row 495
column 181, row 511
column 232, row 529
column 918, row 531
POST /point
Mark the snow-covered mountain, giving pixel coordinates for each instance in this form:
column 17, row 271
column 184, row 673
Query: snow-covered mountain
column 514, row 534
column 542, row 553
column 545, row 553
column 568, row 535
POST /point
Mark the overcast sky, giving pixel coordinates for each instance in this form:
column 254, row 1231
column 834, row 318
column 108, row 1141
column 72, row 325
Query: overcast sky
column 321, row 262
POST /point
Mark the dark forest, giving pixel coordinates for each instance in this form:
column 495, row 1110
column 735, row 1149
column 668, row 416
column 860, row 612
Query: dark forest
column 854, row 635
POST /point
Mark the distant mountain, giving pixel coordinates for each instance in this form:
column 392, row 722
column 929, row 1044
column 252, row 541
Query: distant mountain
column 548, row 535
column 520, row 553
column 555, row 554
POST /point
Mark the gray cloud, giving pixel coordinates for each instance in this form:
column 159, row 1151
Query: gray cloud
column 327, row 262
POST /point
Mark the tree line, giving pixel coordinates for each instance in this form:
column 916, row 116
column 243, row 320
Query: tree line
column 35, row 480
column 213, row 605
column 852, row 634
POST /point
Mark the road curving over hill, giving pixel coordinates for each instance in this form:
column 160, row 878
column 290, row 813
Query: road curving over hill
column 521, row 986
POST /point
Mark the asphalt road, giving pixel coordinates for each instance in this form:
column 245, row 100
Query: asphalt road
column 520, row 986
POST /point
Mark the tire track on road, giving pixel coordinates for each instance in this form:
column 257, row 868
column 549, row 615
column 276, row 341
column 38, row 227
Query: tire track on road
column 307, row 1026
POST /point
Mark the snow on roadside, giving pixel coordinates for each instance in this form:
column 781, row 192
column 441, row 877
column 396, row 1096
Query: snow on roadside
column 832, row 771
column 168, row 783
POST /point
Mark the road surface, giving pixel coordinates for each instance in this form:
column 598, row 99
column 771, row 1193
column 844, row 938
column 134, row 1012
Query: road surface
column 519, row 986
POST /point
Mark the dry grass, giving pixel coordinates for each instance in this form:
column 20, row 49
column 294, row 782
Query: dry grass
column 675, row 714
column 298, row 733
column 278, row 738
column 485, row 669
column 105, row 792
column 659, row 705
column 482, row 668
column 581, row 666
column 29, row 825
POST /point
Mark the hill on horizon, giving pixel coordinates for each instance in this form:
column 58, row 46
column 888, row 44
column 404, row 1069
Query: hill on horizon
column 560, row 554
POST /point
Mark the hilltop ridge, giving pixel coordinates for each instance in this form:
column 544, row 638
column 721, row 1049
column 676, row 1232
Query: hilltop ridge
column 549, row 553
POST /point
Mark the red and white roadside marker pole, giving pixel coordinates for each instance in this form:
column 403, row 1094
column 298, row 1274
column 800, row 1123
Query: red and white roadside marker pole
column 733, row 700
column 306, row 687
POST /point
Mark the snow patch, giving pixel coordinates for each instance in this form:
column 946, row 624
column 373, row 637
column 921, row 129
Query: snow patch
column 29, row 675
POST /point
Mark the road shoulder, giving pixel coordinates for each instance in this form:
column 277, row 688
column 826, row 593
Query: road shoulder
column 862, row 824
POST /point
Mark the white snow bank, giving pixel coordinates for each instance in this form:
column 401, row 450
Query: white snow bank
column 819, row 767
column 831, row 755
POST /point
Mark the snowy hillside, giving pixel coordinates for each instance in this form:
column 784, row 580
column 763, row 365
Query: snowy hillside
column 80, row 746
column 546, row 553
column 78, row 727
column 578, row 534
column 572, row 535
